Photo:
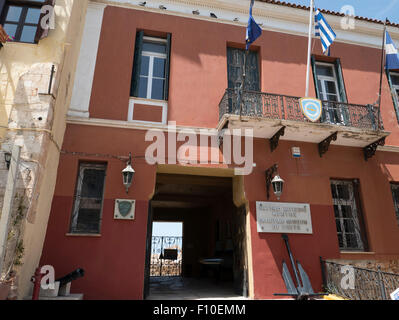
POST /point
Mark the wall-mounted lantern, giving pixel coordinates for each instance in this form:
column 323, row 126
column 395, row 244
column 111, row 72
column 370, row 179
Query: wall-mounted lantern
column 7, row 158
column 276, row 182
column 128, row 174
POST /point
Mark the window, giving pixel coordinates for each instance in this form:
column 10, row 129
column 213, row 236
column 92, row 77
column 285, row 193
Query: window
column 330, row 89
column 393, row 78
column 348, row 216
column 150, row 78
column 21, row 19
column 86, row 216
column 235, row 63
column 327, row 82
column 395, row 196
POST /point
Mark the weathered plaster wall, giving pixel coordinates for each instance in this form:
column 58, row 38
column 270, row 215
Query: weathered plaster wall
column 35, row 118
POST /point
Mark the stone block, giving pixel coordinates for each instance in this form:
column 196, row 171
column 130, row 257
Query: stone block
column 50, row 292
column 65, row 290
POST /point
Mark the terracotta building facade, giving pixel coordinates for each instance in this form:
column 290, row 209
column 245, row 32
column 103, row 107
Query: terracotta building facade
column 148, row 77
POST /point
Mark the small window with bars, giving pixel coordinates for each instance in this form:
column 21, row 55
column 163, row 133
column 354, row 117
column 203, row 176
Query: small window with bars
column 395, row 196
column 348, row 215
column 86, row 215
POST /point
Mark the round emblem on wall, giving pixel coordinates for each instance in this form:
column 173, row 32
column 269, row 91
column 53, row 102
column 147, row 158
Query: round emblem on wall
column 311, row 108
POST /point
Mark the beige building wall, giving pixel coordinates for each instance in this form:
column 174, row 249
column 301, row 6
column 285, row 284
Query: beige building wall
column 35, row 118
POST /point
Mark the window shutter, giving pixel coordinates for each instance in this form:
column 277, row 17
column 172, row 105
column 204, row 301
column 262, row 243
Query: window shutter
column 394, row 98
column 360, row 216
column 316, row 83
column 341, row 83
column 134, row 88
column 2, row 3
column 167, row 67
column 252, row 72
column 43, row 33
column 230, row 78
column 235, row 62
column 342, row 93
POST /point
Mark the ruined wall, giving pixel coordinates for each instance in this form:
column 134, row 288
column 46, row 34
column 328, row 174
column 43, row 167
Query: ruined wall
column 32, row 114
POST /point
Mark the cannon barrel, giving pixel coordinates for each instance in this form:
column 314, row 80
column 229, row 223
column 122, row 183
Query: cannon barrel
column 78, row 273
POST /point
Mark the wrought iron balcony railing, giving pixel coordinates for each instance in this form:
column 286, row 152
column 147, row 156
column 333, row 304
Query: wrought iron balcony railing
column 275, row 106
column 366, row 284
column 166, row 256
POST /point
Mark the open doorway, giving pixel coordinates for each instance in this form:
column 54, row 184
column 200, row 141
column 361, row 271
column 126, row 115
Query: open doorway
column 210, row 261
column 166, row 249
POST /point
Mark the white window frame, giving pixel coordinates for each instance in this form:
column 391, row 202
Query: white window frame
column 75, row 213
column 327, row 78
column 153, row 55
column 333, row 113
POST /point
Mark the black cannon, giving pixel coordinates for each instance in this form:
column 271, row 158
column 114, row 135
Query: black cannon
column 78, row 273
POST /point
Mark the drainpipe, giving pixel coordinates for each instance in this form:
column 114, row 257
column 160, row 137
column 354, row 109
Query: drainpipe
column 8, row 201
column 37, row 279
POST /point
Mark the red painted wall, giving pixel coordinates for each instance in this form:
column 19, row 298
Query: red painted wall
column 307, row 180
column 114, row 262
column 198, row 67
column 120, row 250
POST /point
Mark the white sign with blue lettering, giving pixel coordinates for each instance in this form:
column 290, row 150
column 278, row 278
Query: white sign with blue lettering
column 311, row 108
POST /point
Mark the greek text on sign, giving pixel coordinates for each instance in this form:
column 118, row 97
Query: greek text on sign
column 277, row 217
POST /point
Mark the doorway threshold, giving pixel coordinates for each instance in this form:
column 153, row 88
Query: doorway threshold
column 181, row 288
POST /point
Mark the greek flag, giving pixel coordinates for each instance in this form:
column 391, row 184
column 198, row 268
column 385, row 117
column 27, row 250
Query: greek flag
column 324, row 31
column 253, row 29
column 392, row 56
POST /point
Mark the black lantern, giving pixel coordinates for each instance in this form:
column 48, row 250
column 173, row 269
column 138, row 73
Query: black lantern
column 7, row 158
column 128, row 174
column 278, row 185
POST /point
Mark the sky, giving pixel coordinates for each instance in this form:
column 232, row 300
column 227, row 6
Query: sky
column 375, row 9
column 167, row 229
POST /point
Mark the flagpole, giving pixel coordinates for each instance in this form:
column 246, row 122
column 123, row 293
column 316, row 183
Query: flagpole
column 244, row 75
column 309, row 47
column 381, row 72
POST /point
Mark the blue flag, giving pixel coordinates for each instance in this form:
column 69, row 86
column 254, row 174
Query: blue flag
column 392, row 56
column 253, row 29
column 324, row 31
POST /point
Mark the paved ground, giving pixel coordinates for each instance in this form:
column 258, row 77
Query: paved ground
column 178, row 288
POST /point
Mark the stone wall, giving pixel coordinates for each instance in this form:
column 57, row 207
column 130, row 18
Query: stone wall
column 391, row 266
column 33, row 115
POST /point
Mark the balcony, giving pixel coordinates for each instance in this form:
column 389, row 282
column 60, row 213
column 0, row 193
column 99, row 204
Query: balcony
column 273, row 114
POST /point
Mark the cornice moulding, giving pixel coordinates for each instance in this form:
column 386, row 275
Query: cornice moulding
column 274, row 17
